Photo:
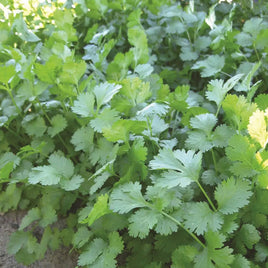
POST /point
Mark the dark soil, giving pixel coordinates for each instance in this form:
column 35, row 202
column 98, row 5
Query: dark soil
column 9, row 222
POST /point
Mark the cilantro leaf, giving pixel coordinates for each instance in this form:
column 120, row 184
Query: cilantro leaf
column 217, row 90
column 34, row 126
column 222, row 135
column 262, row 101
column 214, row 254
column 82, row 139
column 81, row 237
column 46, row 175
column 144, row 70
column 18, row 240
column 99, row 209
column 99, row 181
column 242, row 153
column 104, row 93
column 165, row 226
column 32, row 215
column 105, row 119
column 59, row 123
column 257, row 127
column 246, row 238
column 92, row 252
column 170, row 179
column 25, row 33
column 72, row 72
column 127, row 197
column 104, row 151
column 84, row 105
column 102, row 254
column 199, row 218
column 187, row 163
column 121, row 129
column 133, row 92
column 240, row 262
column 141, row 222
column 232, row 195
column 49, row 175
column 6, row 72
column 62, row 165
column 238, row 110
column 183, row 256
column 198, row 140
column 72, row 184
column 204, row 122
column 210, row 66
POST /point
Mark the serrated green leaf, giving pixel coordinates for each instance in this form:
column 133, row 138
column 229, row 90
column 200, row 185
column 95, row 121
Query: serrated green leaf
column 6, row 72
column 17, row 241
column 262, row 101
column 141, row 222
column 199, row 218
column 232, row 195
column 104, row 93
column 246, row 238
column 59, row 123
column 32, row 215
column 214, row 254
column 210, row 66
column 92, row 252
column 35, row 127
column 84, row 105
column 72, row 72
column 183, row 257
column 62, row 165
column 240, row 262
column 242, row 153
column 204, row 122
column 81, row 237
column 72, row 184
column 105, row 119
column 165, row 226
column 121, row 129
column 46, row 175
column 257, row 127
column 187, row 163
column 99, row 209
column 127, row 197
column 82, row 139
column 238, row 110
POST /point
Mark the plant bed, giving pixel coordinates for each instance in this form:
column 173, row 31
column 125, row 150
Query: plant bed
column 142, row 125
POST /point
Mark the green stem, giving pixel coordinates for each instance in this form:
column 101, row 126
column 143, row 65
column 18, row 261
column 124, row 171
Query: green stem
column 218, row 110
column 12, row 98
column 214, row 160
column 225, row 73
column 207, row 197
column 190, row 233
column 257, row 54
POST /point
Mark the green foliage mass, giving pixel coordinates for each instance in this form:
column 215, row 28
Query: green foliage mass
column 142, row 125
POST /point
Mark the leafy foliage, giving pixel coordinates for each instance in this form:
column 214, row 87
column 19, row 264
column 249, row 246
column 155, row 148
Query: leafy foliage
column 141, row 124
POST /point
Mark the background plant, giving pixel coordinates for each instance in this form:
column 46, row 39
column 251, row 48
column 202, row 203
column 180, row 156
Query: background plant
column 143, row 124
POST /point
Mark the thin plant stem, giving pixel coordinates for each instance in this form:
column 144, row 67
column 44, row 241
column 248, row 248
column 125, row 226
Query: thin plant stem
column 257, row 54
column 181, row 225
column 214, row 160
column 12, row 98
column 207, row 197
column 225, row 73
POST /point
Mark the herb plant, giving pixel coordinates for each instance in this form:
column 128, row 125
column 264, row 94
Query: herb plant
column 142, row 124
